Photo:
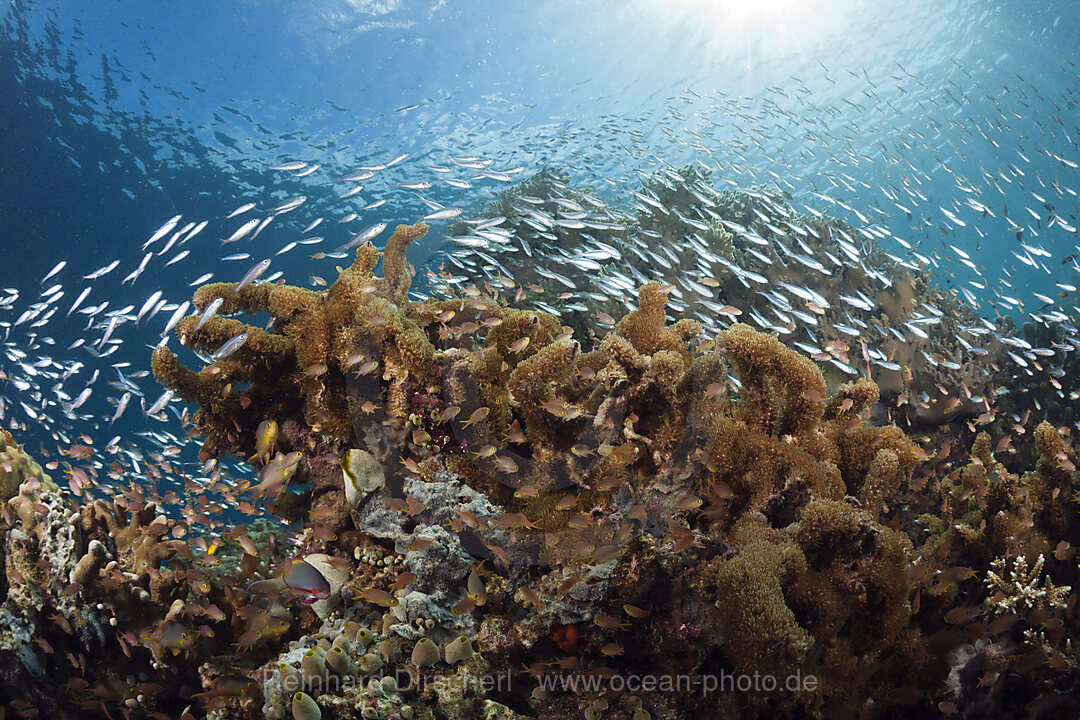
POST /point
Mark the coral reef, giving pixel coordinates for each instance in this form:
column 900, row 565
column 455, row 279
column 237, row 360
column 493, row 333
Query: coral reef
column 636, row 435
column 16, row 467
column 1019, row 589
column 318, row 339
column 749, row 253
column 502, row 516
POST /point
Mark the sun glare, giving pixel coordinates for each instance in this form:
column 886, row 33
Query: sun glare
column 757, row 11
column 746, row 15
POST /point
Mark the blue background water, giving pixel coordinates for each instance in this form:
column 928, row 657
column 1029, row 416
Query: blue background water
column 117, row 115
column 120, row 114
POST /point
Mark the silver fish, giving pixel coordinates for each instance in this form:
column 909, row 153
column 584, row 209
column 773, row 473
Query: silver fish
column 242, row 231
column 83, row 397
column 368, row 233
column 160, row 403
column 162, row 231
column 102, row 271
column 252, row 275
column 289, row 205
column 178, row 257
column 444, row 214
column 231, row 346
column 121, row 406
column 175, row 318
column 56, row 268
column 139, row 270
column 359, row 176
column 240, row 210
column 78, row 300
column 113, row 322
column 209, row 312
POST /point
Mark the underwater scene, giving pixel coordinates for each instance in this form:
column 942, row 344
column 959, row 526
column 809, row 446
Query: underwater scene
column 609, row 360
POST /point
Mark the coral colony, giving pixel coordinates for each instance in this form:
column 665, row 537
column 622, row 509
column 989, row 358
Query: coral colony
column 480, row 512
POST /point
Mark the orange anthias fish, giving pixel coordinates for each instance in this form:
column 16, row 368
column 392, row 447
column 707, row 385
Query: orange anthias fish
column 276, row 474
column 294, row 579
column 265, row 440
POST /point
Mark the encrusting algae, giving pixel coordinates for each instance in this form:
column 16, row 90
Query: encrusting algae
column 483, row 492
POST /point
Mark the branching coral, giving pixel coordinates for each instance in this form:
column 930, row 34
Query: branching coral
column 988, row 512
column 642, row 420
column 1055, row 485
column 532, row 384
column 301, row 365
column 784, row 392
column 1021, row 590
column 760, row 632
column 762, row 500
column 639, row 501
column 78, row 577
column 647, row 330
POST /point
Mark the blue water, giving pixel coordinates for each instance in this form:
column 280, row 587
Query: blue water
column 117, row 115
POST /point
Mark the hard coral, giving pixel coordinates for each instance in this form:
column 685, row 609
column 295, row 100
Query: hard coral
column 136, row 535
column 1055, row 485
column 300, row 366
column 1020, row 589
column 593, row 468
column 760, row 632
column 783, row 392
column 532, row 383
column 647, row 330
